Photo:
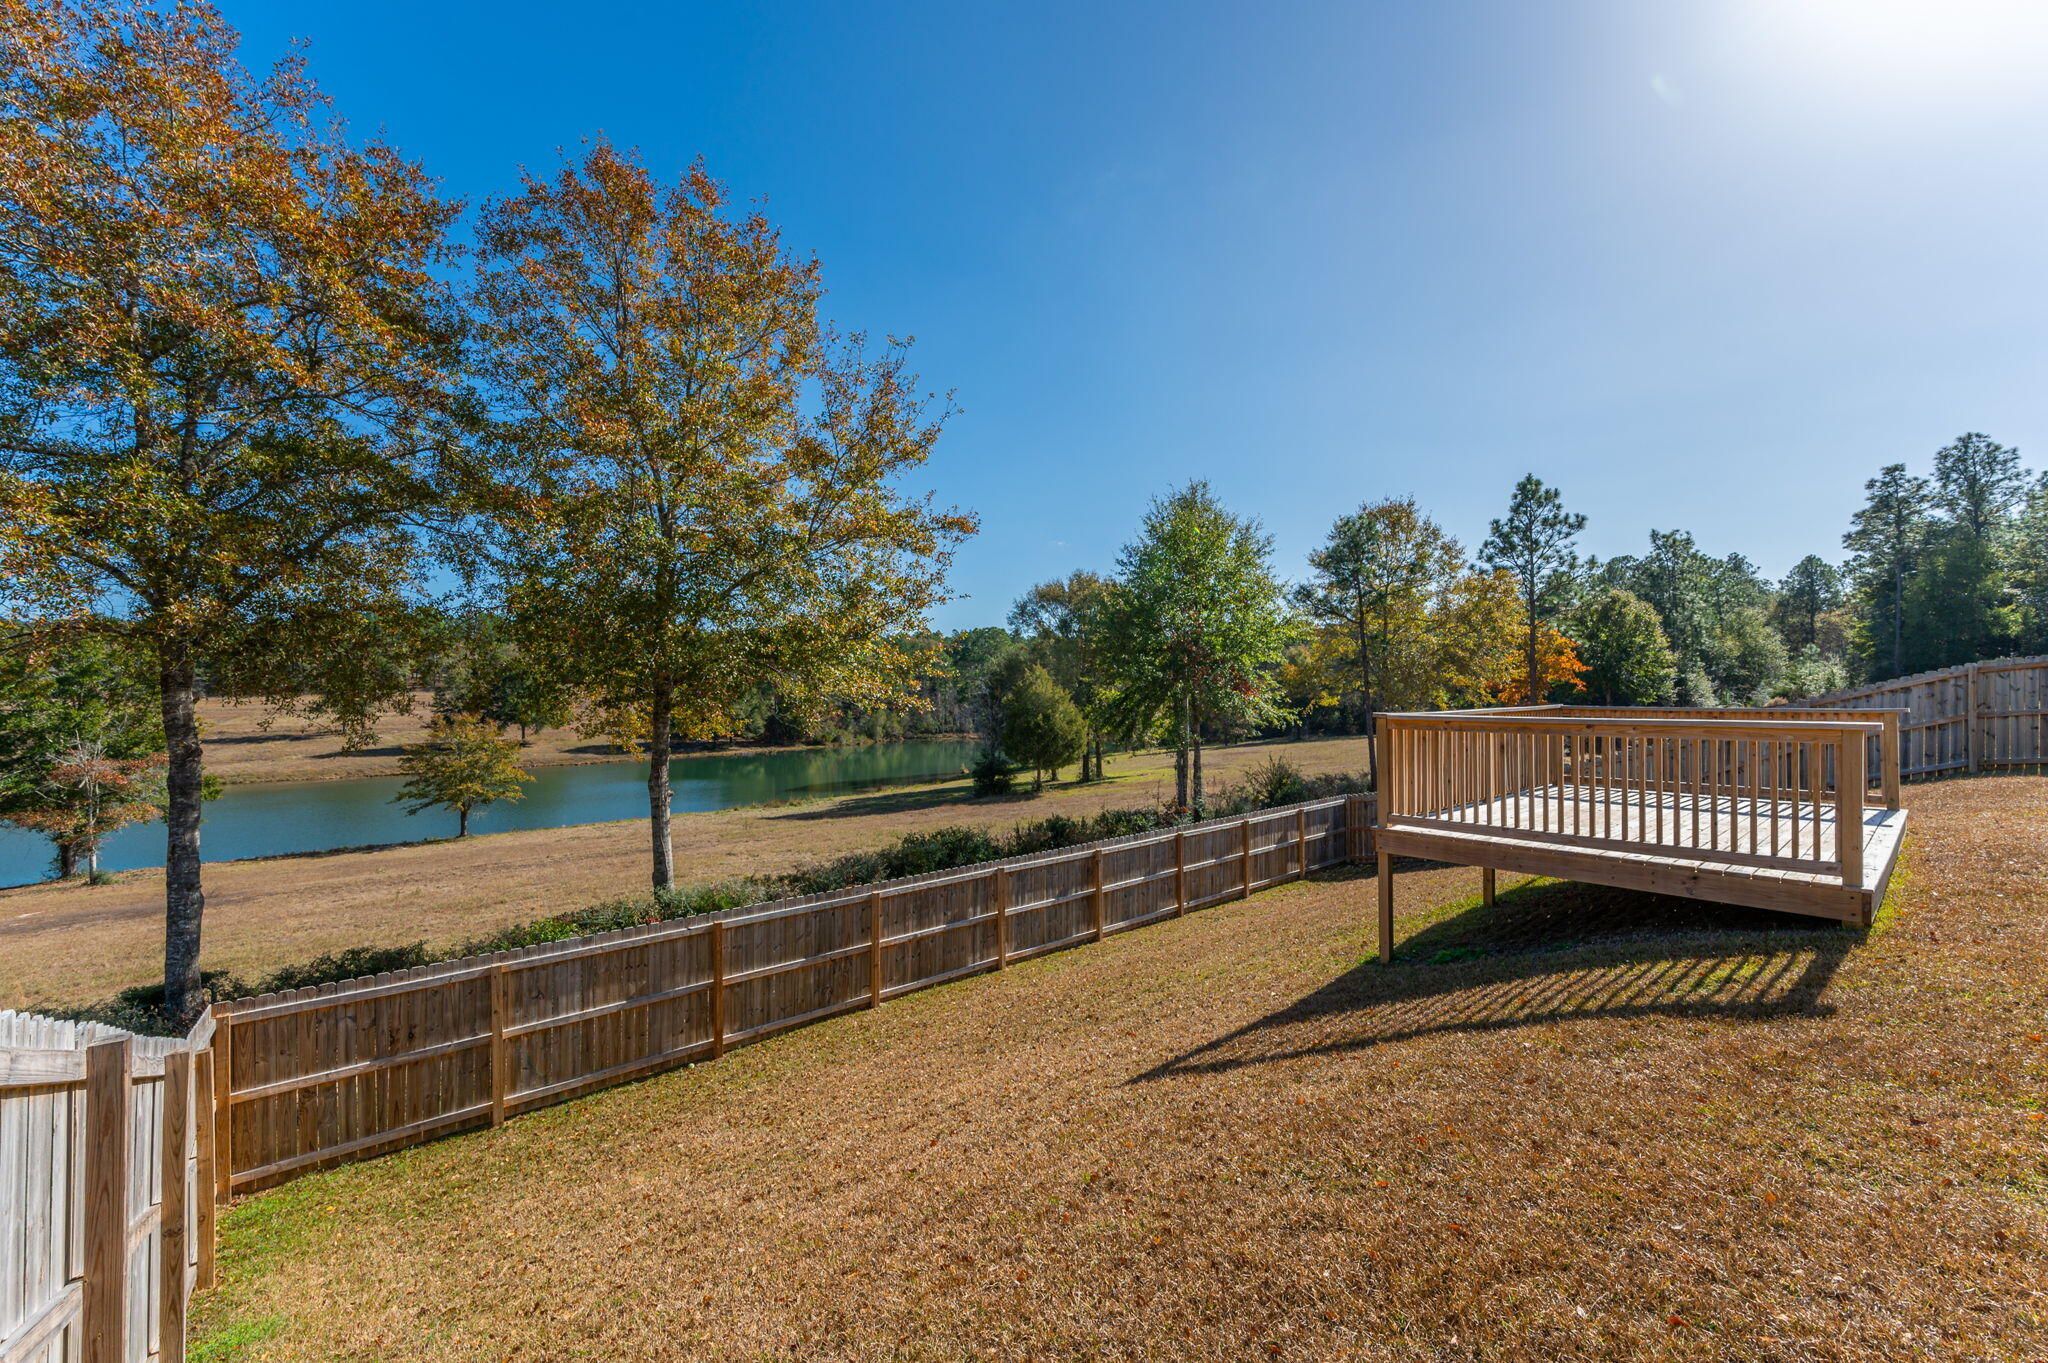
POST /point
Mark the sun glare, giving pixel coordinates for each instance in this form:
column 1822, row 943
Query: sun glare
column 1980, row 54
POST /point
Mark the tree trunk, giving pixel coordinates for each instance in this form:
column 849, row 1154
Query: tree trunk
column 1898, row 615
column 67, row 859
column 184, row 901
column 660, row 732
column 1201, row 793
column 1180, row 758
column 462, row 823
column 1529, row 661
column 1372, row 748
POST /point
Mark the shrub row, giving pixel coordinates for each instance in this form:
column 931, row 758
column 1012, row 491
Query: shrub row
column 1274, row 782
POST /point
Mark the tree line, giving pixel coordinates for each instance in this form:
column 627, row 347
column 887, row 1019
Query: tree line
column 1197, row 637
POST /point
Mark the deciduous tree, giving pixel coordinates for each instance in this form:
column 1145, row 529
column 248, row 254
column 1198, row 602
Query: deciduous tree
column 222, row 337
column 699, row 488
column 56, row 696
column 463, row 765
column 1628, row 660
column 1196, row 627
column 1062, row 622
column 1382, row 573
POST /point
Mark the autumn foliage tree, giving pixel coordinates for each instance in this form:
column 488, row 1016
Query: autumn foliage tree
column 1380, row 575
column 221, row 340
column 463, row 765
column 697, row 484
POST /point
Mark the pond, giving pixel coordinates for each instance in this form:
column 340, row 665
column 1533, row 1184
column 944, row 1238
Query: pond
column 312, row 816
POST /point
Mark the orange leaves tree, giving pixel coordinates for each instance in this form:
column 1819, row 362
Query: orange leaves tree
column 696, row 485
column 221, row 340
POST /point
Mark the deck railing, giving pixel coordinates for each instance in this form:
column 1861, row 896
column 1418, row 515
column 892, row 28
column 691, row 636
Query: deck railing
column 1774, row 789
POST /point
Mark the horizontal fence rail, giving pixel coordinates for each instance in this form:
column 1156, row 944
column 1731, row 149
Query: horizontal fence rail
column 319, row 1076
column 1976, row 717
column 1745, row 788
column 106, row 1177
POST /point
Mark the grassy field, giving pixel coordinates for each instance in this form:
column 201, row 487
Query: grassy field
column 246, row 741
column 1581, row 1125
column 72, row 944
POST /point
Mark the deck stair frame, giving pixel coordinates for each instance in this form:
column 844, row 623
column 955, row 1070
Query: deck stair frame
column 1794, row 810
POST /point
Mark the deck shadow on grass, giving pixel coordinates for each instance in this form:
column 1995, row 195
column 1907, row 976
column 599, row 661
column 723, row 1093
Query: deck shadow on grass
column 1549, row 952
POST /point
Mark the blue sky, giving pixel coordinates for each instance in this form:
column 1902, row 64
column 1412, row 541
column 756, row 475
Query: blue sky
column 1701, row 265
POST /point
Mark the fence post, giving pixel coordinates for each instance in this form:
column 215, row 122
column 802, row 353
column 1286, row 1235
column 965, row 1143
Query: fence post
column 1890, row 758
column 1180, row 873
column 1970, row 744
column 874, row 947
column 1849, row 807
column 1095, row 891
column 717, row 988
column 107, row 1121
column 223, row 1105
column 1245, row 871
column 1000, row 892
column 500, row 1075
column 1301, row 843
column 203, row 1174
column 173, row 1248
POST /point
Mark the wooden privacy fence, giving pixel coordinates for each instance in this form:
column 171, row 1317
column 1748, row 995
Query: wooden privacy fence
column 1968, row 718
column 106, row 1176
column 317, row 1076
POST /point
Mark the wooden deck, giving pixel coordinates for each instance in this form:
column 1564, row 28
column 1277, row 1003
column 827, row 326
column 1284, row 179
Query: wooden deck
column 1736, row 807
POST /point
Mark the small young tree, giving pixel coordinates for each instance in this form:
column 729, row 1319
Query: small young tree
column 87, row 793
column 91, row 691
column 1628, row 660
column 463, row 765
column 1042, row 728
column 1534, row 542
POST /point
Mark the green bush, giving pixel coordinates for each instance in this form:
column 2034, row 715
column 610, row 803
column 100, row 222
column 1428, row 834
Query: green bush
column 993, row 774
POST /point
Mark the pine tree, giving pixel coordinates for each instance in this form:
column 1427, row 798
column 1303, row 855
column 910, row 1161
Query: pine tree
column 1534, row 543
column 1042, row 728
column 1886, row 537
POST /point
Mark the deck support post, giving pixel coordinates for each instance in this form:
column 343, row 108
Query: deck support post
column 1486, row 886
column 1386, row 889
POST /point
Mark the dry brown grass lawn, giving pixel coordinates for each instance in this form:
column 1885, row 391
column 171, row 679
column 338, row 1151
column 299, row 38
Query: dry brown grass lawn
column 247, row 741
column 1584, row 1125
column 68, row 945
